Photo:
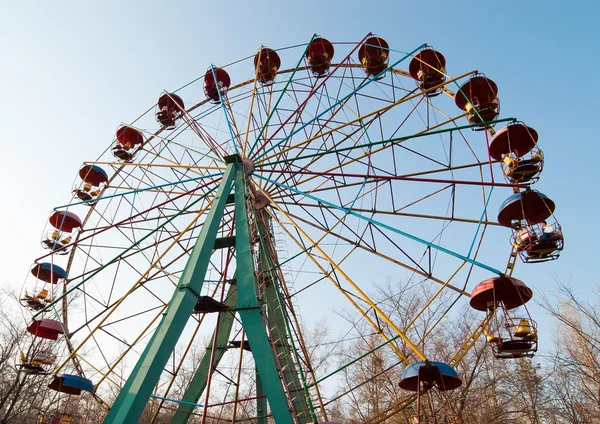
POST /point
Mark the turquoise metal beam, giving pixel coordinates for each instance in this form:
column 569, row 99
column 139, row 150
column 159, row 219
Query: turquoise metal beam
column 125, row 193
column 261, row 403
column 133, row 397
column 383, row 225
column 233, row 140
column 200, row 379
column 336, row 104
column 281, row 95
column 252, row 313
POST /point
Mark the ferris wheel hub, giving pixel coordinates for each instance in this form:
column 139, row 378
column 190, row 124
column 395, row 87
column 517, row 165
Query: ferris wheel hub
column 248, row 166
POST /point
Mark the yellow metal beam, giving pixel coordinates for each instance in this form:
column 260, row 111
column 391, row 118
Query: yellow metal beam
column 361, row 293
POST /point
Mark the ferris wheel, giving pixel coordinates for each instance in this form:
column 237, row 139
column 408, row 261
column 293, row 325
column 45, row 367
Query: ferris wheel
column 269, row 197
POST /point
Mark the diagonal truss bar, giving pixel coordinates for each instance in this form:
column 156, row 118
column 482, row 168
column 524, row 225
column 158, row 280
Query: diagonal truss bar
column 132, row 399
column 385, row 226
column 336, row 104
column 222, row 101
column 281, row 96
column 312, row 91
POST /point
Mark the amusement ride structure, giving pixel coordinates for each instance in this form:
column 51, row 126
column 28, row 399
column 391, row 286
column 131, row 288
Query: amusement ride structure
column 262, row 199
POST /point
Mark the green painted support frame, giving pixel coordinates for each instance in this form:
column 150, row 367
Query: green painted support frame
column 261, row 403
column 200, row 379
column 251, row 311
column 134, row 395
column 276, row 321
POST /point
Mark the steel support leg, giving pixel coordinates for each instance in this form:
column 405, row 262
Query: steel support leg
column 252, row 314
column 261, row 402
column 200, row 379
column 132, row 399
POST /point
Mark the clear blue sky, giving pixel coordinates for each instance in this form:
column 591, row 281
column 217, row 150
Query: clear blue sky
column 73, row 71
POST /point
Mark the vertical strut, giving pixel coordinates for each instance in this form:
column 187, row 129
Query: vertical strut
column 261, row 402
column 252, row 314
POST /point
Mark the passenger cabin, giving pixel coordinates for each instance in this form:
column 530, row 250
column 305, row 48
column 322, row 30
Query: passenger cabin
column 530, row 206
column 318, row 55
column 540, row 242
column 373, row 55
column 216, row 84
column 428, row 68
column 517, row 338
column 71, row 384
column 430, row 379
column 515, row 146
column 168, row 109
column 37, row 300
column 39, row 362
column 507, row 335
column 478, row 97
column 524, row 169
column 93, row 180
column 266, row 64
column 537, row 235
column 65, row 223
column 48, row 275
column 129, row 141
column 65, row 419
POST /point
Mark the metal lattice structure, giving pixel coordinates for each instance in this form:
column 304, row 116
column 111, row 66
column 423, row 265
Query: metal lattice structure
column 266, row 208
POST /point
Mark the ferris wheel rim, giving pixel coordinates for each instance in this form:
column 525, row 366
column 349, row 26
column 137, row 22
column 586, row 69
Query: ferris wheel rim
column 260, row 165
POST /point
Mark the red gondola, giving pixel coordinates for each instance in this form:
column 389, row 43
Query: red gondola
column 214, row 90
column 509, row 291
column 128, row 139
column 428, row 67
column 479, row 98
column 373, row 55
column 93, row 178
column 65, row 223
column 169, row 107
column 530, row 206
column 507, row 335
column 46, row 328
column 266, row 63
column 319, row 55
column 516, row 147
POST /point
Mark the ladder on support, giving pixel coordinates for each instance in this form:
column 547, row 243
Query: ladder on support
column 276, row 317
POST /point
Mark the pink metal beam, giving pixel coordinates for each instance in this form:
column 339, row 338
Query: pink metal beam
column 400, row 178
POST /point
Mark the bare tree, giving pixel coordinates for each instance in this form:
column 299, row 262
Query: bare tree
column 575, row 382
